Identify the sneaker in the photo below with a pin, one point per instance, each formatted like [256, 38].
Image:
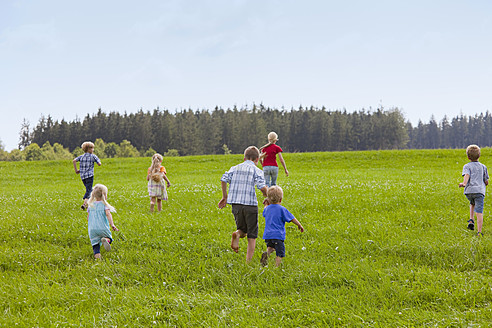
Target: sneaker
[471, 224]
[264, 259]
[479, 234]
[106, 244]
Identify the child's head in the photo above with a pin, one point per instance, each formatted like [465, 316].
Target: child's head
[99, 192]
[473, 152]
[251, 153]
[86, 146]
[157, 158]
[272, 137]
[275, 194]
[155, 168]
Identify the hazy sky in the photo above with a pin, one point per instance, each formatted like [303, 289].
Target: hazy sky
[68, 58]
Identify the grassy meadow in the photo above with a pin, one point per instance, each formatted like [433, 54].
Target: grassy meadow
[385, 245]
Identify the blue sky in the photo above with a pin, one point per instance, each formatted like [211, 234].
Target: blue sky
[67, 58]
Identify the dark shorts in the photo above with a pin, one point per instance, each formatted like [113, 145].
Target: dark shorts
[278, 245]
[246, 219]
[88, 182]
[477, 200]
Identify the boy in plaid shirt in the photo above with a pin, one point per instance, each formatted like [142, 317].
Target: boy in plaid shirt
[86, 171]
[242, 179]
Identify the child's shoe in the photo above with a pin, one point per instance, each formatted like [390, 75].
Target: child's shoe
[106, 244]
[471, 224]
[264, 258]
[479, 234]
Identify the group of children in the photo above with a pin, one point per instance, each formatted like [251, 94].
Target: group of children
[242, 180]
[99, 218]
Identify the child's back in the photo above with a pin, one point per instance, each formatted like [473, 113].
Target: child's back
[478, 176]
[475, 181]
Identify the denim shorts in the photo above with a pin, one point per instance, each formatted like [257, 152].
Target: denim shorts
[278, 245]
[477, 200]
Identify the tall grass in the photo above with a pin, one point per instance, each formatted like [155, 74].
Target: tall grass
[385, 245]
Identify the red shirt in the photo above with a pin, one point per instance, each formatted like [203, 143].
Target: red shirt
[271, 157]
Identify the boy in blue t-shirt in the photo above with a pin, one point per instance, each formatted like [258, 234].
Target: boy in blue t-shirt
[275, 218]
[475, 181]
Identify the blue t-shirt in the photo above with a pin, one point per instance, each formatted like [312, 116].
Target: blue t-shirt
[275, 218]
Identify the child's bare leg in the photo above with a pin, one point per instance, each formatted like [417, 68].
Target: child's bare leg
[479, 222]
[152, 203]
[159, 205]
[472, 211]
[251, 249]
[235, 239]
[278, 261]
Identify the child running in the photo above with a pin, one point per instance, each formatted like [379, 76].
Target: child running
[242, 179]
[99, 220]
[86, 171]
[475, 181]
[156, 174]
[268, 160]
[275, 218]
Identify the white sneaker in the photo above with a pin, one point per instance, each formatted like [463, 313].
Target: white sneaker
[106, 244]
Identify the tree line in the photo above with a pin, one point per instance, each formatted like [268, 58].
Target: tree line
[220, 131]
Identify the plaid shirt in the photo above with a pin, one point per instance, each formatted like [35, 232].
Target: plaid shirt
[87, 165]
[242, 179]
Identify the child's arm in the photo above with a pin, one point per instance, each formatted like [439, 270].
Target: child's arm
[466, 177]
[298, 224]
[223, 201]
[167, 180]
[110, 220]
[148, 176]
[264, 192]
[283, 163]
[75, 166]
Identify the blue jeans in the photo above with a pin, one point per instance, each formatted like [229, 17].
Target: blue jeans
[271, 174]
[88, 182]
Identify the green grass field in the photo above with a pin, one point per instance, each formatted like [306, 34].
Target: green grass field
[385, 245]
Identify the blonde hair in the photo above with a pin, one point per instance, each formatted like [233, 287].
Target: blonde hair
[100, 193]
[155, 168]
[275, 194]
[252, 153]
[272, 138]
[473, 152]
[86, 146]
